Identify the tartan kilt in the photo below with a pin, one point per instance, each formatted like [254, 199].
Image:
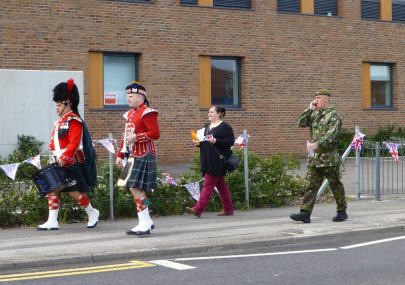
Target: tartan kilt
[143, 174]
[76, 172]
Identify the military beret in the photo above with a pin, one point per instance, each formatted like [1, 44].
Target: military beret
[322, 92]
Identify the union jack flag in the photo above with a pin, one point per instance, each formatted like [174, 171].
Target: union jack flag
[240, 142]
[357, 141]
[393, 150]
[169, 179]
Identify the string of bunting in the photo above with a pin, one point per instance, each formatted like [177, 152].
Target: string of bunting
[110, 145]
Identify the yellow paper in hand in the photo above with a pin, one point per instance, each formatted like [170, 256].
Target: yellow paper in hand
[194, 135]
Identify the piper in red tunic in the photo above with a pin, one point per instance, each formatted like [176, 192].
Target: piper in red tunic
[142, 130]
[66, 144]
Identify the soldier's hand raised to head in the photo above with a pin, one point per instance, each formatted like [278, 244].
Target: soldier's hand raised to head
[313, 105]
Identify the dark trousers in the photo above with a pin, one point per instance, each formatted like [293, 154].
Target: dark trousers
[207, 190]
[315, 177]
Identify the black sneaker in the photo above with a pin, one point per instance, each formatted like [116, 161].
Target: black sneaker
[303, 216]
[340, 216]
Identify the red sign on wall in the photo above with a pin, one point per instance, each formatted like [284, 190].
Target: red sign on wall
[110, 99]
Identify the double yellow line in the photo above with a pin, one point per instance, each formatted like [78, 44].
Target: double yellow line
[75, 271]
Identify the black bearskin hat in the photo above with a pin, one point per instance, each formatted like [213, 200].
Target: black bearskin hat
[67, 92]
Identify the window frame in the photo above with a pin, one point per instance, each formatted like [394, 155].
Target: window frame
[390, 68]
[336, 6]
[136, 70]
[238, 70]
[362, 3]
[212, 4]
[205, 66]
[366, 90]
[136, 1]
[307, 7]
[398, 4]
[96, 78]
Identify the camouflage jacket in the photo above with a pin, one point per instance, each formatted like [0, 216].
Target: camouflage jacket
[324, 126]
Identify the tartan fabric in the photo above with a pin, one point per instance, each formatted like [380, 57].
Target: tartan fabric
[76, 172]
[143, 174]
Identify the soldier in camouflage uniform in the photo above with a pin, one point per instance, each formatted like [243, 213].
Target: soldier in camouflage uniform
[324, 123]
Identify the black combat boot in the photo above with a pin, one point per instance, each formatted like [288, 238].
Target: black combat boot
[340, 216]
[303, 216]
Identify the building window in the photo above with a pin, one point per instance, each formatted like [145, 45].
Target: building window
[109, 73]
[135, 1]
[377, 85]
[398, 10]
[188, 2]
[242, 4]
[288, 6]
[370, 9]
[220, 81]
[381, 85]
[326, 7]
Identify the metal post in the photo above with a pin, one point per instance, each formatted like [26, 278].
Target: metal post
[357, 169]
[110, 157]
[246, 168]
[377, 172]
[358, 174]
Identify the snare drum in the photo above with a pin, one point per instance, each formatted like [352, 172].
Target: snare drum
[51, 178]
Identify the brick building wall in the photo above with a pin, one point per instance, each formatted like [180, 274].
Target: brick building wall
[285, 58]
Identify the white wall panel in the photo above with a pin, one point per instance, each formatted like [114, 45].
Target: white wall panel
[26, 106]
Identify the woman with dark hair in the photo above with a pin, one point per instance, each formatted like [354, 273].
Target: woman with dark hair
[219, 139]
[66, 145]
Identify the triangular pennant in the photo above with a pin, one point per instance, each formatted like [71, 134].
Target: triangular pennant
[194, 189]
[10, 169]
[107, 144]
[36, 161]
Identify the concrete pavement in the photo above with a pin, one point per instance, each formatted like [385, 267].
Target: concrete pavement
[186, 234]
[263, 229]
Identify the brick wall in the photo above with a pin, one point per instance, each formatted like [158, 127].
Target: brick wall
[286, 57]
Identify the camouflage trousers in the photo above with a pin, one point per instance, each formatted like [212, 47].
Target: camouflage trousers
[315, 176]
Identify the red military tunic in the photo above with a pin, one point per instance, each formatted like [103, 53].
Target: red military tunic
[143, 121]
[69, 129]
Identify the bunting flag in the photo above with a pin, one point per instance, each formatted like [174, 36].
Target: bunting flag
[36, 161]
[393, 150]
[10, 169]
[169, 179]
[357, 141]
[108, 144]
[194, 189]
[240, 141]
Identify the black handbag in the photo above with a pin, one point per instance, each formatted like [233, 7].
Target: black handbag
[230, 163]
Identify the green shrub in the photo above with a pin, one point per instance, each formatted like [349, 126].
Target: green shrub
[20, 204]
[387, 132]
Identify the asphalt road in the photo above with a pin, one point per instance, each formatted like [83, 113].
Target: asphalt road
[378, 260]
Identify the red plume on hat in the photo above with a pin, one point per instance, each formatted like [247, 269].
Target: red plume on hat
[70, 84]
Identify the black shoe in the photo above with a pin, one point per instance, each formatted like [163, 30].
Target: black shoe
[340, 216]
[143, 234]
[304, 217]
[138, 233]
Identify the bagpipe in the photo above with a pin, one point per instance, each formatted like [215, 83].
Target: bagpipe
[126, 171]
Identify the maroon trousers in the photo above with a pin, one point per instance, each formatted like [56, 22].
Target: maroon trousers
[207, 190]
